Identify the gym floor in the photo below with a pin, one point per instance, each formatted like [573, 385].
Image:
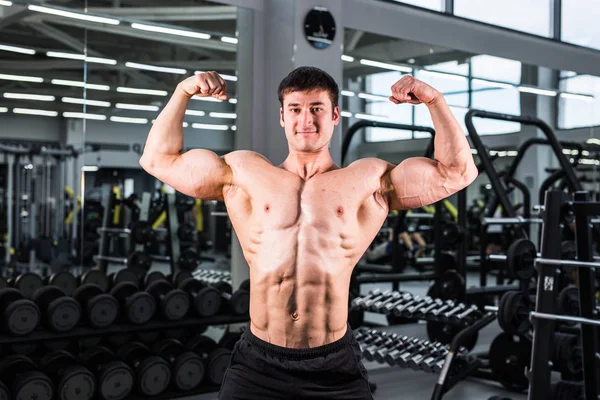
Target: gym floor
[392, 381]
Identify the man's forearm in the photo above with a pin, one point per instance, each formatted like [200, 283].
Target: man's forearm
[451, 146]
[166, 135]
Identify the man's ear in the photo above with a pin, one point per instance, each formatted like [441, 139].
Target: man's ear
[281, 117]
[336, 115]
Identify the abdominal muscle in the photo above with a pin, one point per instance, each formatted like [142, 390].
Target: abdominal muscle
[300, 283]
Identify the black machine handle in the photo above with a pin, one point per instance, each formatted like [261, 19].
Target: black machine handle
[495, 181]
[376, 124]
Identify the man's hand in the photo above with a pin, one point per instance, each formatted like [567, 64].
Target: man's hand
[413, 91]
[205, 84]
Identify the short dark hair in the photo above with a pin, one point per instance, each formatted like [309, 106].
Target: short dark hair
[306, 79]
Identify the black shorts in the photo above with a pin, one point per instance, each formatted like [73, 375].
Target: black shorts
[262, 371]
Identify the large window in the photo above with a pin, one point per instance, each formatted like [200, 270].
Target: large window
[578, 111]
[532, 16]
[436, 5]
[579, 23]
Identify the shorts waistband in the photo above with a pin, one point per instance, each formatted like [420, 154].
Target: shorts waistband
[299, 354]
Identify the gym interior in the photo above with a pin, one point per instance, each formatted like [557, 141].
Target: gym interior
[488, 294]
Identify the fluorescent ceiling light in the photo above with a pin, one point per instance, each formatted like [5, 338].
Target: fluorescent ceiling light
[97, 117]
[185, 124]
[347, 58]
[93, 86]
[494, 84]
[346, 114]
[226, 77]
[3, 109]
[82, 57]
[87, 102]
[228, 39]
[206, 99]
[593, 141]
[443, 75]
[222, 115]
[90, 168]
[473, 151]
[128, 120]
[195, 112]
[6, 3]
[233, 128]
[16, 49]
[210, 126]
[587, 161]
[233, 101]
[574, 96]
[375, 97]
[21, 78]
[512, 153]
[368, 117]
[543, 92]
[74, 15]
[125, 106]
[30, 111]
[151, 92]
[147, 67]
[27, 96]
[347, 93]
[392, 67]
[170, 31]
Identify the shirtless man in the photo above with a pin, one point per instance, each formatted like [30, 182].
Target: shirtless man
[303, 226]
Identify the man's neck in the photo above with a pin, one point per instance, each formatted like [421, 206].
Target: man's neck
[307, 165]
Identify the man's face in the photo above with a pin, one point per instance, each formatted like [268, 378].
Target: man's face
[308, 119]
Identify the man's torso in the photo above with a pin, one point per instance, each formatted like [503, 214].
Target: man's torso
[301, 240]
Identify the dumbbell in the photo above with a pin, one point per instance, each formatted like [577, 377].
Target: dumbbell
[357, 302]
[153, 276]
[236, 303]
[360, 335]
[23, 379]
[216, 359]
[124, 275]
[388, 308]
[380, 304]
[410, 311]
[179, 277]
[152, 373]
[434, 363]
[437, 315]
[64, 280]
[207, 299]
[468, 316]
[114, 378]
[380, 354]
[245, 285]
[27, 283]
[99, 309]
[369, 337]
[566, 356]
[20, 316]
[368, 303]
[415, 362]
[377, 344]
[136, 306]
[59, 312]
[449, 315]
[72, 381]
[173, 304]
[96, 277]
[411, 351]
[424, 312]
[399, 309]
[412, 343]
[187, 368]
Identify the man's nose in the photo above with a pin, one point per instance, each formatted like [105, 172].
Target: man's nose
[306, 118]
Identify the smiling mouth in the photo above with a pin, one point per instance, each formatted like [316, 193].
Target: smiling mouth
[306, 133]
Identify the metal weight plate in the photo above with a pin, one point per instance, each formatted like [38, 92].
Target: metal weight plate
[101, 309]
[218, 361]
[188, 259]
[520, 259]
[21, 316]
[510, 357]
[568, 300]
[181, 276]
[115, 381]
[126, 275]
[154, 376]
[445, 333]
[33, 385]
[142, 232]
[76, 383]
[239, 303]
[450, 286]
[153, 276]
[140, 261]
[513, 313]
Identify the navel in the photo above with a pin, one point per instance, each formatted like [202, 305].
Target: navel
[295, 316]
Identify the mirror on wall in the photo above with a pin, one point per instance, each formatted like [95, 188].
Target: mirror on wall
[92, 76]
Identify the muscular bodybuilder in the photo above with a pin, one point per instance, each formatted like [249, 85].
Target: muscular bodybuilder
[303, 225]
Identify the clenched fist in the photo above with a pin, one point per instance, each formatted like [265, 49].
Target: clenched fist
[413, 91]
[205, 84]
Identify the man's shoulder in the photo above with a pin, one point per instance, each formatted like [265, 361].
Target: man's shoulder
[371, 164]
[244, 157]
